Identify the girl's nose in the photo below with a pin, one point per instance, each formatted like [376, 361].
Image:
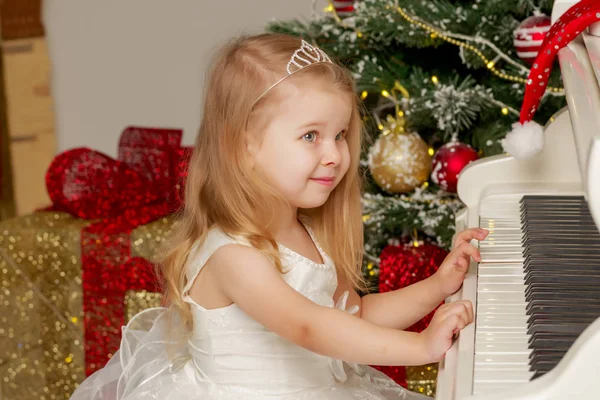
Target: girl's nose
[331, 154]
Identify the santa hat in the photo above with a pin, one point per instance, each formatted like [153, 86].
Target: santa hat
[527, 137]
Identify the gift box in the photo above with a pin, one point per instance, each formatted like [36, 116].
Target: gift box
[41, 330]
[422, 379]
[74, 273]
[401, 265]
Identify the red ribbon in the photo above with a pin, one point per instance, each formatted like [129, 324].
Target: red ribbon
[149, 171]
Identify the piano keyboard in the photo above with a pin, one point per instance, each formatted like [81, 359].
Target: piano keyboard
[538, 287]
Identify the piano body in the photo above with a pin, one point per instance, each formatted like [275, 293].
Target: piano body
[537, 290]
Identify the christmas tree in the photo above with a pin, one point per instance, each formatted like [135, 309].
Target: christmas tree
[442, 82]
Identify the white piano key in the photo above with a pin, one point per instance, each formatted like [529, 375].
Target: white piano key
[502, 348]
[501, 284]
[500, 257]
[494, 297]
[501, 359]
[492, 320]
[499, 236]
[507, 330]
[499, 309]
[481, 376]
[501, 266]
[513, 310]
[498, 335]
[503, 368]
[500, 222]
[485, 342]
[498, 239]
[501, 271]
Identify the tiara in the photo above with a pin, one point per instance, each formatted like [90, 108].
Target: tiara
[303, 57]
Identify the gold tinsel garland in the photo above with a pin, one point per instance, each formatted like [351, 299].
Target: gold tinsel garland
[436, 33]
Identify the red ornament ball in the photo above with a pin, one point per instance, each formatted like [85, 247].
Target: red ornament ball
[529, 35]
[448, 161]
[344, 8]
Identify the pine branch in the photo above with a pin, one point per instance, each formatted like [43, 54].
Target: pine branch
[429, 211]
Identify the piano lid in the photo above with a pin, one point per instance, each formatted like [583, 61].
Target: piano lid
[592, 44]
[580, 69]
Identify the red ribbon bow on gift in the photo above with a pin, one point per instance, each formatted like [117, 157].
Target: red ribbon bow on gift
[150, 170]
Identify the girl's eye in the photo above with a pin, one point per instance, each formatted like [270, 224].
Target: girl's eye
[341, 135]
[310, 136]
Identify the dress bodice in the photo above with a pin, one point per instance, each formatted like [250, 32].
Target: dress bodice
[229, 347]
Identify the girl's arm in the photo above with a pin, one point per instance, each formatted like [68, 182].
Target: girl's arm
[259, 290]
[403, 307]
[397, 309]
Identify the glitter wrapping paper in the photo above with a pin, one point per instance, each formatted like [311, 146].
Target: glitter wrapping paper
[140, 300]
[401, 266]
[73, 274]
[422, 379]
[41, 330]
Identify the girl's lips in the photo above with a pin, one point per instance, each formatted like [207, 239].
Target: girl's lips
[326, 181]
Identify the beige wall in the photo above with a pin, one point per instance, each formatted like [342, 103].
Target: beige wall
[141, 62]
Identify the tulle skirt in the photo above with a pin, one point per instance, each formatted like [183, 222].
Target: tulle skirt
[152, 364]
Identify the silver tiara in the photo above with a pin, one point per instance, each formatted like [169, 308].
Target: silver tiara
[305, 56]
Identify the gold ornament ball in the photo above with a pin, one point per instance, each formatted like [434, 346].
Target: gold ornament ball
[400, 162]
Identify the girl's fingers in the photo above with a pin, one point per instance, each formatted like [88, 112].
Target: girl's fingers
[468, 250]
[463, 309]
[469, 234]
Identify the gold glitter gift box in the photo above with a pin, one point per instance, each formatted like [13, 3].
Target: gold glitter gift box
[41, 301]
[422, 379]
[41, 335]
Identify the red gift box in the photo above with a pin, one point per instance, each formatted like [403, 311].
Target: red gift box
[144, 184]
[401, 266]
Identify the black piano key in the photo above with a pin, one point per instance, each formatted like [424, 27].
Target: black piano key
[557, 344]
[567, 327]
[562, 308]
[566, 279]
[557, 292]
[545, 335]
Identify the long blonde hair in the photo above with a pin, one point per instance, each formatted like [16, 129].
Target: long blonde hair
[221, 190]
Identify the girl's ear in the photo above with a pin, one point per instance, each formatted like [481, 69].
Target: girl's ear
[252, 146]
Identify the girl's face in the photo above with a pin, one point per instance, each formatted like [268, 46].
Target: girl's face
[303, 152]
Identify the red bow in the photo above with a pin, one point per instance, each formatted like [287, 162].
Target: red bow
[150, 170]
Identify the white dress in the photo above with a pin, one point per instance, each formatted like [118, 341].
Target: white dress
[229, 356]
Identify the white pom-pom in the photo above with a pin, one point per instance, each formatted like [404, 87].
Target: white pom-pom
[525, 140]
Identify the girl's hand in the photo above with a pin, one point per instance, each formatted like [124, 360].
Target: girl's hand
[452, 272]
[449, 319]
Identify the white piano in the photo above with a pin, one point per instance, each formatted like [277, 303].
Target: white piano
[493, 359]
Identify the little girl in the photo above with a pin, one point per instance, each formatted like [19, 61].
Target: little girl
[261, 280]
